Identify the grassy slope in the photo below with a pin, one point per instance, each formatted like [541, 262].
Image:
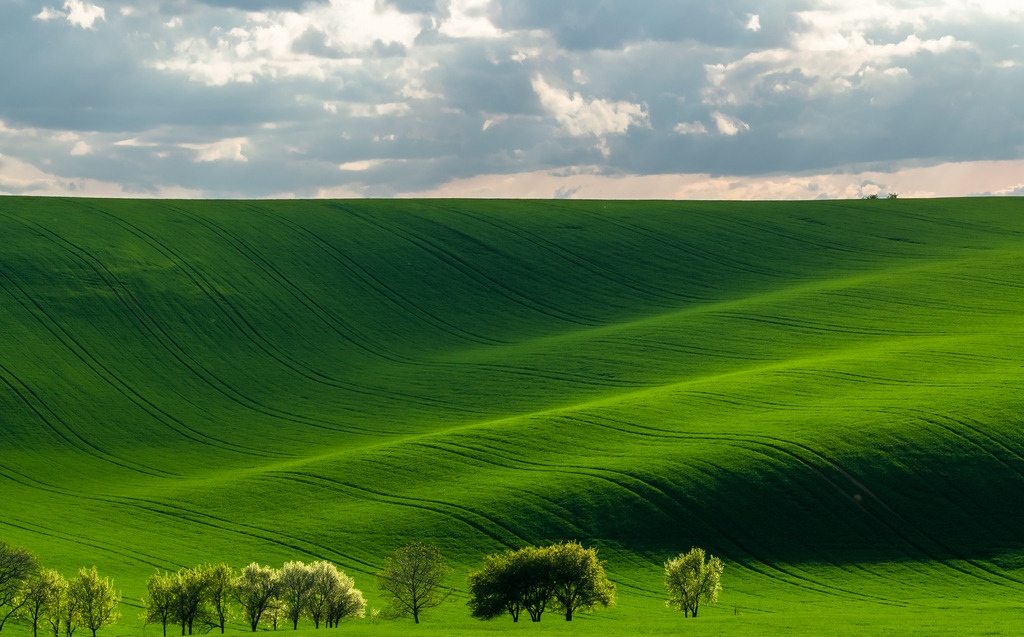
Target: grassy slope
[826, 394]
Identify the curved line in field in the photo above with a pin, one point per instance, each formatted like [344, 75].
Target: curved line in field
[568, 256]
[83, 444]
[467, 269]
[688, 250]
[36, 528]
[240, 528]
[144, 320]
[101, 371]
[435, 506]
[374, 283]
[254, 337]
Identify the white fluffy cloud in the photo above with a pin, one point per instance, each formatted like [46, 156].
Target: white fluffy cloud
[221, 150]
[729, 126]
[469, 19]
[316, 42]
[691, 128]
[819, 62]
[581, 117]
[77, 12]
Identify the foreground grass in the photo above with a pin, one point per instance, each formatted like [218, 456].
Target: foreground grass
[824, 394]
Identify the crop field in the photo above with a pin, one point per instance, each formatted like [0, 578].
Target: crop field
[827, 395]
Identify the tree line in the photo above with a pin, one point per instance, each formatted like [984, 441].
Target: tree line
[43, 598]
[566, 577]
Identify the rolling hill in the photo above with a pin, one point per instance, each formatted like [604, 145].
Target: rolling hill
[826, 394]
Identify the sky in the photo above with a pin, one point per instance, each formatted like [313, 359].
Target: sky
[667, 99]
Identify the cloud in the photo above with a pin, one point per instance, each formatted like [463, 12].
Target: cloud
[580, 117]
[691, 128]
[818, 64]
[316, 42]
[942, 180]
[222, 150]
[76, 12]
[469, 19]
[290, 97]
[80, 149]
[18, 177]
[727, 125]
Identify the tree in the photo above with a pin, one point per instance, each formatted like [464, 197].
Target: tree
[511, 582]
[347, 601]
[16, 566]
[296, 581]
[690, 579]
[40, 592]
[566, 575]
[578, 581]
[276, 611]
[188, 589]
[96, 599]
[62, 613]
[333, 596]
[159, 603]
[219, 581]
[413, 580]
[491, 594]
[256, 589]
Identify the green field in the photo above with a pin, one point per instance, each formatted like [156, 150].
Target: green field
[828, 395]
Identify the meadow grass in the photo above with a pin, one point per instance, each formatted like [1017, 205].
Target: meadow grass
[825, 394]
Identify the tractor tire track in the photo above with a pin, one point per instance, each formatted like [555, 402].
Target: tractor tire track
[466, 269]
[373, 283]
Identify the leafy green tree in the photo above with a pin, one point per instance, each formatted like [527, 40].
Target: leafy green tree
[40, 592]
[218, 591]
[188, 587]
[511, 582]
[159, 603]
[256, 590]
[568, 576]
[691, 578]
[413, 580]
[96, 599]
[17, 565]
[578, 581]
[493, 590]
[61, 614]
